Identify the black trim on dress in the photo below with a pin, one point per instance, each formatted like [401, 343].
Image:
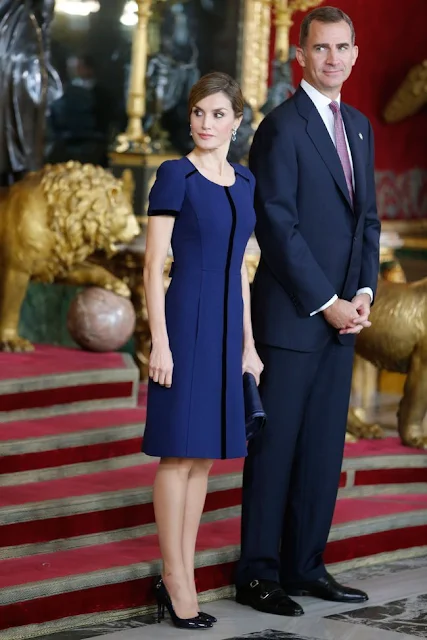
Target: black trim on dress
[225, 326]
[163, 212]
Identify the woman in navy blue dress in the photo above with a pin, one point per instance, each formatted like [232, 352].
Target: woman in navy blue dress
[201, 331]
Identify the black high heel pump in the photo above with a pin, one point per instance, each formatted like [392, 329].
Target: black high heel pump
[164, 602]
[207, 616]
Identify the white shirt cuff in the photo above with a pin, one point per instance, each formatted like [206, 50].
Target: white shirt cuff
[327, 304]
[367, 290]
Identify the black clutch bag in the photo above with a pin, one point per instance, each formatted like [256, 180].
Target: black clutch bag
[255, 416]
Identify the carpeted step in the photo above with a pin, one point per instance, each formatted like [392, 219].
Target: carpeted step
[47, 444]
[105, 504]
[118, 575]
[383, 447]
[69, 439]
[53, 380]
[378, 465]
[97, 503]
[114, 462]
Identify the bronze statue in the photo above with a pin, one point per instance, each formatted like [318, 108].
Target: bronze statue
[282, 86]
[51, 222]
[357, 427]
[397, 341]
[410, 97]
[171, 72]
[27, 83]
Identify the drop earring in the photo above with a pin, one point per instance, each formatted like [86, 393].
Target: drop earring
[234, 134]
[191, 133]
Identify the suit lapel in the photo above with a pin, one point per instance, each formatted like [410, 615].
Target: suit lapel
[322, 140]
[356, 148]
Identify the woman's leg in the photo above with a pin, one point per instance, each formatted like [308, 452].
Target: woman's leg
[196, 496]
[170, 499]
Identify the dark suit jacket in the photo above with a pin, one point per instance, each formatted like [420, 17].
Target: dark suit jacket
[313, 243]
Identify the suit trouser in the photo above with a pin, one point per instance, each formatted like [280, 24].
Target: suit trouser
[292, 471]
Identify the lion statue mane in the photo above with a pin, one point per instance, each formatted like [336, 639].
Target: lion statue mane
[51, 222]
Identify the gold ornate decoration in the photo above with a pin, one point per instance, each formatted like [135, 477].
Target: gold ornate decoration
[51, 222]
[397, 342]
[365, 380]
[357, 427]
[284, 10]
[135, 135]
[410, 97]
[255, 53]
[256, 44]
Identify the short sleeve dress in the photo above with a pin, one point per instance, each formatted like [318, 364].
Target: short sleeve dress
[202, 414]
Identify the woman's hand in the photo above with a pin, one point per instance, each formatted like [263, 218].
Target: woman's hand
[160, 366]
[252, 362]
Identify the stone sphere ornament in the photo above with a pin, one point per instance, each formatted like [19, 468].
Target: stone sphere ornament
[99, 320]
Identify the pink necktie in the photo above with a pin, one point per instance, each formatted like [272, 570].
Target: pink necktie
[342, 146]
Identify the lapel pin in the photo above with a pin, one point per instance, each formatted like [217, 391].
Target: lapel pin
[360, 136]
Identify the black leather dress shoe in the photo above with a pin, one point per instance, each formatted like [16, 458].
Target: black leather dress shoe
[268, 597]
[326, 588]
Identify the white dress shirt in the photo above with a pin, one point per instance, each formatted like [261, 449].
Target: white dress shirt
[322, 102]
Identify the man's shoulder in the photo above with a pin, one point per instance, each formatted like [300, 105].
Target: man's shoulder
[287, 107]
[281, 116]
[355, 113]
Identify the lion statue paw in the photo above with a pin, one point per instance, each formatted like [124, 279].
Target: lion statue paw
[16, 345]
[357, 427]
[118, 287]
[414, 436]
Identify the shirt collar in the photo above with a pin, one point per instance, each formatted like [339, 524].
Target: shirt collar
[320, 100]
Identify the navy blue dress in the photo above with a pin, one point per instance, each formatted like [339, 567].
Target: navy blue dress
[202, 414]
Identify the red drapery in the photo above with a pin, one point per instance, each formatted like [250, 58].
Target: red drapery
[391, 39]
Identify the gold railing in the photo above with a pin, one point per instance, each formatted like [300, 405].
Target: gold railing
[257, 15]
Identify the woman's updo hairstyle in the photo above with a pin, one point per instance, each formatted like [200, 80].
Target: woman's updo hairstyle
[217, 82]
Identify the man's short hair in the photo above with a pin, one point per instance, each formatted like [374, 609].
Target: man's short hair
[327, 15]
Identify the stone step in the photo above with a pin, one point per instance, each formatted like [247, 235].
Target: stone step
[55, 381]
[40, 592]
[34, 450]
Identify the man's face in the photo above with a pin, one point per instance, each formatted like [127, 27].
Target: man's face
[328, 56]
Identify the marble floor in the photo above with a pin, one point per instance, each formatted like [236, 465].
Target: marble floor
[397, 610]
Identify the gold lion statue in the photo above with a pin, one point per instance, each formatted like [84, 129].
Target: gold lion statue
[51, 222]
[397, 341]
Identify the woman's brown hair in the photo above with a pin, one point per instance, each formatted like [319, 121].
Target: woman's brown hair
[217, 82]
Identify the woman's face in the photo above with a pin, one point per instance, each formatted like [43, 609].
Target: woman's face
[212, 121]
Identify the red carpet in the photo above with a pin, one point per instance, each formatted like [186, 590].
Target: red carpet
[54, 377]
[115, 480]
[55, 425]
[48, 361]
[385, 447]
[76, 516]
[215, 535]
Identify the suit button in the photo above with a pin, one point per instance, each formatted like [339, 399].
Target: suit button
[355, 239]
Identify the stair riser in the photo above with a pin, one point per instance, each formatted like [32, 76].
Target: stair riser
[133, 511]
[18, 405]
[127, 440]
[71, 455]
[78, 542]
[371, 477]
[80, 524]
[136, 593]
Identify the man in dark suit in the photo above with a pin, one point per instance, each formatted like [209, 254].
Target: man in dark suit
[318, 230]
